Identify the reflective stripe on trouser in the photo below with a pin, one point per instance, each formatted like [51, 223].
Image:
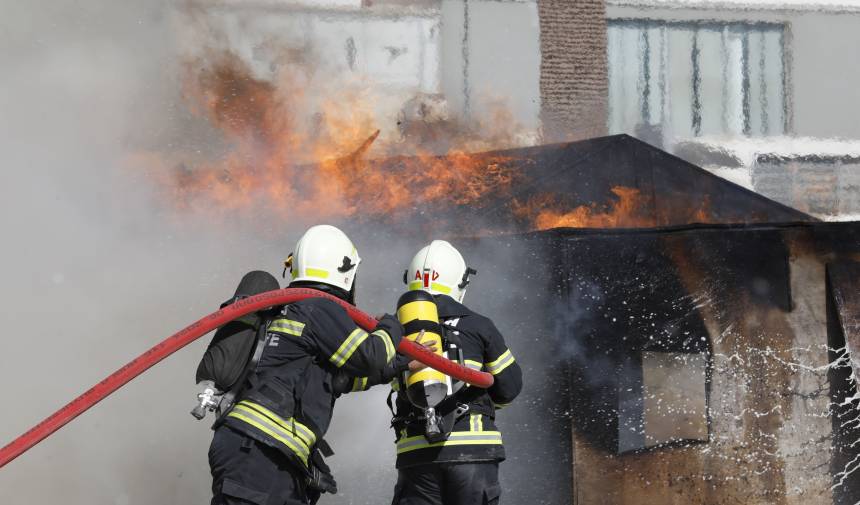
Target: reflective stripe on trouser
[292, 434]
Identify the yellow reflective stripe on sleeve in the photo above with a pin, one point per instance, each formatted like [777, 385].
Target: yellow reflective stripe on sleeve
[287, 326]
[415, 285]
[503, 361]
[395, 385]
[500, 406]
[348, 347]
[359, 384]
[389, 345]
[474, 365]
[473, 422]
[408, 444]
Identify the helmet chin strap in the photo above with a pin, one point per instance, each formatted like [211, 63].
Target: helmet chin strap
[288, 265]
[469, 271]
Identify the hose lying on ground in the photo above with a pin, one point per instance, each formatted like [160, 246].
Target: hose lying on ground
[203, 326]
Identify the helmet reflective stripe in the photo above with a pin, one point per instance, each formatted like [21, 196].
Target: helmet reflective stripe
[325, 254]
[439, 269]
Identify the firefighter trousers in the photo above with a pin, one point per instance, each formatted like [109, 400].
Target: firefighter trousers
[448, 484]
[245, 471]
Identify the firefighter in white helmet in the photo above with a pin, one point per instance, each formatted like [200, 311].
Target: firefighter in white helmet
[439, 269]
[463, 468]
[267, 448]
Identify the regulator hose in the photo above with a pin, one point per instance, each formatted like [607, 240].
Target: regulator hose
[203, 326]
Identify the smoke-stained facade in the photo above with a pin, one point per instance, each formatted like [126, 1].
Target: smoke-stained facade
[680, 365]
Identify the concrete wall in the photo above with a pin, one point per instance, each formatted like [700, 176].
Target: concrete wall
[491, 57]
[821, 51]
[483, 56]
[825, 74]
[400, 51]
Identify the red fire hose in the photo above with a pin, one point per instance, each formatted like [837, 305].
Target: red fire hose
[203, 326]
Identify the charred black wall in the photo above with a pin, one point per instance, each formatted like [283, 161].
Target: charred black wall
[842, 279]
[579, 306]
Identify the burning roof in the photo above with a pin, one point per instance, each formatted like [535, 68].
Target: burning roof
[607, 182]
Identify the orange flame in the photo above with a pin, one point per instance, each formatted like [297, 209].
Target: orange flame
[294, 146]
[307, 154]
[628, 211]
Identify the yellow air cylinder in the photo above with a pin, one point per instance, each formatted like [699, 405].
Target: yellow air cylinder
[417, 311]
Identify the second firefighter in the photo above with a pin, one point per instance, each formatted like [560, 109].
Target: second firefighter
[449, 454]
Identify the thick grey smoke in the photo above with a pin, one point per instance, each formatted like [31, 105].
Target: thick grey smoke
[97, 268]
[94, 272]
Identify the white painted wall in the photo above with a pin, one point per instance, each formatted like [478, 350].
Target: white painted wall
[822, 55]
[493, 57]
[398, 52]
[825, 79]
[405, 48]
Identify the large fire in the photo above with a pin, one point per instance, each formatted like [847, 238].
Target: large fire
[296, 146]
[312, 154]
[545, 211]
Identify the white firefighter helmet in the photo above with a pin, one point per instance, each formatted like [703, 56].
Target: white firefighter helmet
[439, 269]
[324, 254]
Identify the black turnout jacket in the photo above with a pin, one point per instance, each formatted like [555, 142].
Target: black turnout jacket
[475, 436]
[288, 400]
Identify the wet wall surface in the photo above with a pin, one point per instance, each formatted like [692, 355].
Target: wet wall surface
[843, 335]
[743, 305]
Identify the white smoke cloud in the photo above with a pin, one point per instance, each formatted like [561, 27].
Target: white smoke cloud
[97, 268]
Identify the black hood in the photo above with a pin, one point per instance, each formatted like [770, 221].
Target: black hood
[449, 307]
[253, 283]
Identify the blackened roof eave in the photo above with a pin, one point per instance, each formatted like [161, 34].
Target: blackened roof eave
[607, 141]
[586, 172]
[703, 227]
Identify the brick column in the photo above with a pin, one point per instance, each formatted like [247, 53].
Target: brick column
[573, 75]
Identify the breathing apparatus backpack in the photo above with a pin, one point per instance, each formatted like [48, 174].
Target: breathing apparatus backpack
[234, 350]
[429, 390]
